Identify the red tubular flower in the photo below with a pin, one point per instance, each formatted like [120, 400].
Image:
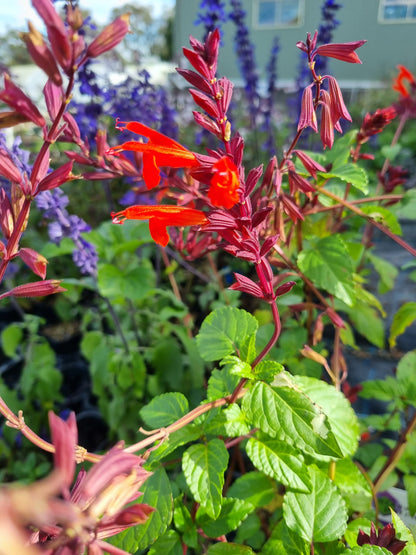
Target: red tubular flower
[35, 289]
[224, 184]
[404, 75]
[307, 114]
[158, 151]
[160, 217]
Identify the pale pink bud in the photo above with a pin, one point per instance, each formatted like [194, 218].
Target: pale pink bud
[310, 165]
[57, 178]
[57, 33]
[338, 108]
[307, 113]
[36, 262]
[41, 54]
[109, 37]
[16, 99]
[35, 289]
[327, 126]
[6, 214]
[64, 438]
[8, 168]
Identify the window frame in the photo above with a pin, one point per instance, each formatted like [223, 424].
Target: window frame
[276, 25]
[403, 20]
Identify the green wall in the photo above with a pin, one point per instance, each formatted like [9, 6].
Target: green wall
[388, 44]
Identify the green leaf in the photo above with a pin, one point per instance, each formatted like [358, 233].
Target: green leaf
[290, 416]
[266, 370]
[232, 514]
[204, 466]
[285, 542]
[185, 523]
[341, 416]
[156, 493]
[383, 216]
[383, 390]
[164, 410]
[406, 376]
[404, 534]
[11, 338]
[351, 173]
[225, 332]
[237, 367]
[221, 383]
[134, 283]
[353, 486]
[221, 548]
[405, 316]
[410, 485]
[318, 516]
[168, 544]
[280, 461]
[368, 550]
[174, 441]
[407, 209]
[387, 272]
[368, 323]
[253, 487]
[327, 263]
[391, 151]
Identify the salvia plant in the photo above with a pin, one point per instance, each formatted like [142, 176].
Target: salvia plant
[264, 453]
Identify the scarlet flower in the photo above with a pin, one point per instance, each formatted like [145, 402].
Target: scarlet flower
[224, 184]
[160, 217]
[404, 75]
[158, 151]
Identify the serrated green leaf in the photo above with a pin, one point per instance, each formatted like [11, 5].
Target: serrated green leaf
[221, 383]
[164, 410]
[353, 486]
[11, 337]
[224, 332]
[203, 467]
[403, 318]
[351, 173]
[174, 441]
[328, 265]
[156, 493]
[285, 542]
[280, 461]
[266, 370]
[185, 523]
[228, 548]
[235, 421]
[168, 544]
[237, 367]
[384, 390]
[383, 216]
[134, 284]
[232, 514]
[404, 534]
[341, 416]
[290, 415]
[368, 550]
[318, 516]
[254, 487]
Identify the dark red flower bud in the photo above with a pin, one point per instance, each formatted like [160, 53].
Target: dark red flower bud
[16, 99]
[41, 54]
[307, 112]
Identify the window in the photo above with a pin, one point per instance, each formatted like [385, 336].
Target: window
[278, 13]
[397, 11]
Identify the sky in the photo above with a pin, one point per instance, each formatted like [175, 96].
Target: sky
[15, 13]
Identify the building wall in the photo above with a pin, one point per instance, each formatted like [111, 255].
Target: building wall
[388, 44]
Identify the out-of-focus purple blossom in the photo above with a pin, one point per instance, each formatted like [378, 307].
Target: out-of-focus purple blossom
[53, 205]
[271, 71]
[211, 14]
[19, 157]
[246, 58]
[123, 101]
